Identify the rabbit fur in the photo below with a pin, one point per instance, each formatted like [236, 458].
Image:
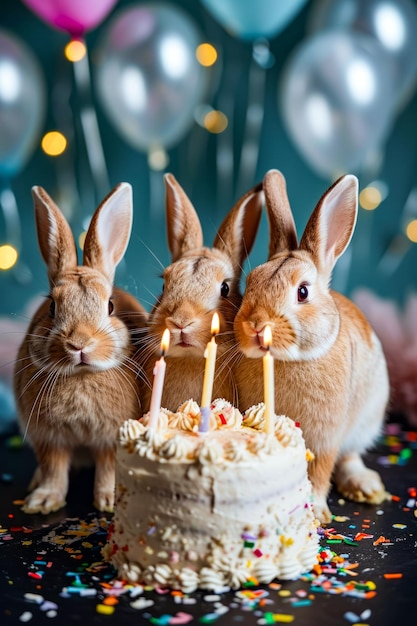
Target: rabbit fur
[75, 381]
[330, 371]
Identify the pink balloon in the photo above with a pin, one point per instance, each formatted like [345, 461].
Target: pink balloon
[74, 16]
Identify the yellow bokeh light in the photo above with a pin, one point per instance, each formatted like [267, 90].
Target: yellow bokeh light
[370, 198]
[206, 54]
[8, 257]
[54, 143]
[81, 239]
[411, 231]
[215, 122]
[75, 50]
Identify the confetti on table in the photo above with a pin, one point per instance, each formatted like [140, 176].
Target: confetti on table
[342, 570]
[103, 609]
[278, 618]
[26, 616]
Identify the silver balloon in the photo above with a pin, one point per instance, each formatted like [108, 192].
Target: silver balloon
[149, 81]
[22, 103]
[393, 23]
[336, 99]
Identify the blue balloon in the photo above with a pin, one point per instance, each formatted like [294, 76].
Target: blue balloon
[250, 19]
[22, 103]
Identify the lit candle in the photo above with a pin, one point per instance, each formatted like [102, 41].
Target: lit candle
[210, 356]
[269, 388]
[158, 382]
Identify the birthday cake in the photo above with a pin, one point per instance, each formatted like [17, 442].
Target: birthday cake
[211, 510]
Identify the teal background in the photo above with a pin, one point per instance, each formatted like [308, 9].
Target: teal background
[193, 162]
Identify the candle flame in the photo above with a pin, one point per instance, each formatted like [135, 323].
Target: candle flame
[215, 324]
[267, 336]
[165, 341]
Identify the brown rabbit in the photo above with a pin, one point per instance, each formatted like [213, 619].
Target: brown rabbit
[330, 371]
[75, 381]
[199, 281]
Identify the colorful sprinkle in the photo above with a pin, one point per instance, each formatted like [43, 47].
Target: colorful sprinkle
[103, 609]
[281, 618]
[26, 616]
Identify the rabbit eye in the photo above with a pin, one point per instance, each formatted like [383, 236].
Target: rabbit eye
[52, 308]
[111, 307]
[224, 290]
[302, 293]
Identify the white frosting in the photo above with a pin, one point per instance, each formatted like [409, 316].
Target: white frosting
[254, 416]
[265, 570]
[130, 431]
[211, 579]
[187, 417]
[212, 510]
[176, 447]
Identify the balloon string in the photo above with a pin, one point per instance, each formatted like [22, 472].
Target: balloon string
[224, 149]
[11, 217]
[90, 127]
[253, 125]
[394, 255]
[399, 245]
[63, 115]
[156, 195]
[341, 272]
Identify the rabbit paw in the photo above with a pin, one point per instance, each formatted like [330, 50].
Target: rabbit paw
[43, 501]
[321, 510]
[104, 501]
[363, 486]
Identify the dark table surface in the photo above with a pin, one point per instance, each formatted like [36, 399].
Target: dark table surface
[51, 569]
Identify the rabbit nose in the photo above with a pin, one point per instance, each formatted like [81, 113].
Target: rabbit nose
[79, 342]
[76, 345]
[177, 324]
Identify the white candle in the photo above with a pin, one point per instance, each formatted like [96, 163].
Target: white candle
[158, 382]
[210, 356]
[269, 387]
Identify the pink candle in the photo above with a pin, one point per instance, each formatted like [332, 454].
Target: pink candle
[158, 382]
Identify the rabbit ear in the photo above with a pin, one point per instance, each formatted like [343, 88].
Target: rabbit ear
[331, 225]
[56, 240]
[109, 232]
[283, 234]
[237, 232]
[183, 225]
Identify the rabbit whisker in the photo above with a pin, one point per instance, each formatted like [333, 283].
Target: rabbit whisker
[51, 378]
[152, 253]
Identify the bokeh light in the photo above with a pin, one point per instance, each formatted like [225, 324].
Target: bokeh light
[8, 257]
[81, 239]
[206, 54]
[411, 231]
[75, 50]
[370, 198]
[54, 143]
[215, 122]
[158, 159]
